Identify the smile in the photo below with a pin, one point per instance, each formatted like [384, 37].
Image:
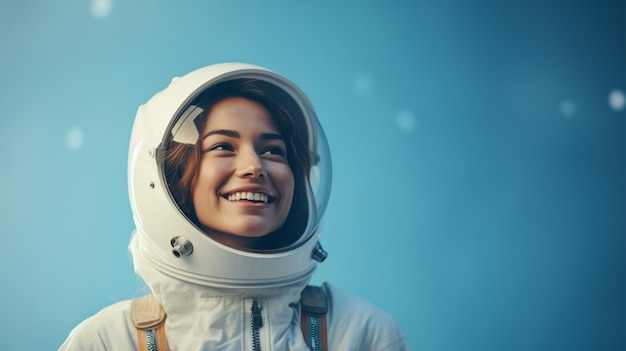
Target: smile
[257, 197]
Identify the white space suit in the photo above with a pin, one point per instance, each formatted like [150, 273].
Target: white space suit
[207, 288]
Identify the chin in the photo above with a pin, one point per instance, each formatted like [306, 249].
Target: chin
[248, 232]
[243, 229]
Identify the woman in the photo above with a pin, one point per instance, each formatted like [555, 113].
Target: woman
[229, 176]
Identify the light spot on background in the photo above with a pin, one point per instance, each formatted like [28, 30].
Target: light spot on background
[362, 84]
[617, 100]
[74, 139]
[405, 120]
[101, 8]
[567, 108]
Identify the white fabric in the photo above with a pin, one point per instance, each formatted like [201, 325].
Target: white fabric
[206, 318]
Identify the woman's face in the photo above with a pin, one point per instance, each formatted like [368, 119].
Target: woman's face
[244, 185]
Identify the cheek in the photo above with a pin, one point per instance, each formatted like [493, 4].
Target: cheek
[204, 182]
[203, 194]
[287, 183]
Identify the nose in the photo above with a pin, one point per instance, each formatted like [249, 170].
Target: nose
[250, 164]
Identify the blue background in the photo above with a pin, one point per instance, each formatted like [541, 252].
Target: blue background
[479, 156]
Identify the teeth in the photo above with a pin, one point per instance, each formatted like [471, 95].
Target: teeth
[248, 196]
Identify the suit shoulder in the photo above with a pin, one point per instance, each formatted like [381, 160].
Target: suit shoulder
[355, 320]
[108, 329]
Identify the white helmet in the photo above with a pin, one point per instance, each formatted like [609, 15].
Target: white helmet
[168, 238]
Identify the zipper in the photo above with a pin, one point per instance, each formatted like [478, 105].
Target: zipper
[151, 342]
[256, 322]
[315, 333]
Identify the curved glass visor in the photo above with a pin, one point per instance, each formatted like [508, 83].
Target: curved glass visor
[310, 160]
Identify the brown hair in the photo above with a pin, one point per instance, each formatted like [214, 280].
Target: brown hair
[182, 161]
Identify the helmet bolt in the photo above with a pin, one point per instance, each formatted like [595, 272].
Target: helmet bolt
[319, 254]
[181, 246]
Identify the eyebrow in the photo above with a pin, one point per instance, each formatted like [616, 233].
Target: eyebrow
[235, 134]
[225, 132]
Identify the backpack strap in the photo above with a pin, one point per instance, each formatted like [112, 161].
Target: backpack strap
[314, 307]
[148, 317]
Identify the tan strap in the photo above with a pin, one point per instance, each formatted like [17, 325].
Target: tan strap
[314, 305]
[158, 333]
[146, 312]
[324, 333]
[141, 340]
[305, 326]
[148, 317]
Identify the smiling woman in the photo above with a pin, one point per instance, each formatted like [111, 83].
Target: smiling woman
[250, 142]
[239, 159]
[229, 176]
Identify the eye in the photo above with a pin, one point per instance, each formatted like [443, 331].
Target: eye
[220, 147]
[274, 150]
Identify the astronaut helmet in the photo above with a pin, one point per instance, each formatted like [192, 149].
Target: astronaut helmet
[165, 157]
